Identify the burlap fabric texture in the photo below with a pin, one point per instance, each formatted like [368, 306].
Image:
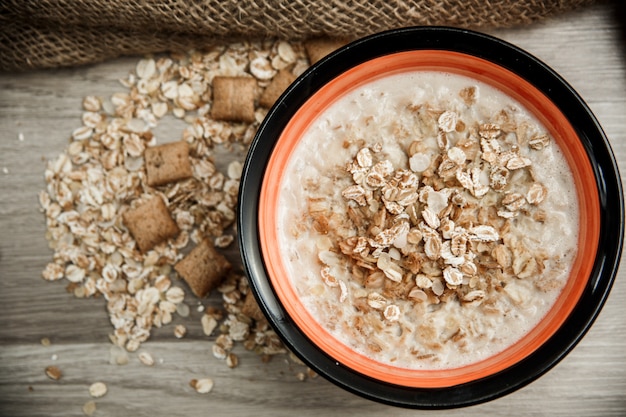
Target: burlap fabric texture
[55, 33]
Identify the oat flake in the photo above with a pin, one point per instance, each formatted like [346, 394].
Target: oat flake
[97, 389]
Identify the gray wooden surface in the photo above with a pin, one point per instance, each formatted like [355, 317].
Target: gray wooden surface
[587, 48]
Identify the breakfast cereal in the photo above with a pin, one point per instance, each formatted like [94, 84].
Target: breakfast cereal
[429, 221]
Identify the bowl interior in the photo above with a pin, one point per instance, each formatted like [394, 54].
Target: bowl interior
[511, 84]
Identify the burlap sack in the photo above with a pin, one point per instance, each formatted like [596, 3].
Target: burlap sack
[55, 33]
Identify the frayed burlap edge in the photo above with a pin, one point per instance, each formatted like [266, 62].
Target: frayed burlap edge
[58, 33]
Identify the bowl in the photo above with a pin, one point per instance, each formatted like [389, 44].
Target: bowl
[495, 64]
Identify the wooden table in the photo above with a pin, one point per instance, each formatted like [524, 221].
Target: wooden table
[39, 110]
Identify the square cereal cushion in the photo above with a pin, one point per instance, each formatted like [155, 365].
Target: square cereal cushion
[203, 268]
[251, 309]
[167, 163]
[318, 48]
[233, 99]
[150, 223]
[277, 86]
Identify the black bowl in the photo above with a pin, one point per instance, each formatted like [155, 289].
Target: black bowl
[542, 78]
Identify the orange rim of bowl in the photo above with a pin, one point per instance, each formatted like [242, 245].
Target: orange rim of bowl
[528, 96]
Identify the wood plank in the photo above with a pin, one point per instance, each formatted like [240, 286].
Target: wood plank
[45, 106]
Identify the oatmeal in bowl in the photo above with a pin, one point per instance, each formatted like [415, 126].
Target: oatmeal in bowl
[424, 217]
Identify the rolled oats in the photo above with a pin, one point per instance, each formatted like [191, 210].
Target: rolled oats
[447, 121]
[219, 352]
[180, 331]
[53, 372]
[376, 301]
[539, 142]
[209, 324]
[92, 103]
[419, 162]
[183, 310]
[89, 408]
[262, 69]
[232, 360]
[146, 358]
[392, 313]
[203, 385]
[98, 389]
[536, 194]
[453, 276]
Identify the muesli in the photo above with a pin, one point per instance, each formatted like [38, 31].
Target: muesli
[129, 211]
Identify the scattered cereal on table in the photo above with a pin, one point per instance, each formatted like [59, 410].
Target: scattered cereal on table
[115, 163]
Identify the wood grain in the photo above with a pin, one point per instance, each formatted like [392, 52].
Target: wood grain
[587, 48]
